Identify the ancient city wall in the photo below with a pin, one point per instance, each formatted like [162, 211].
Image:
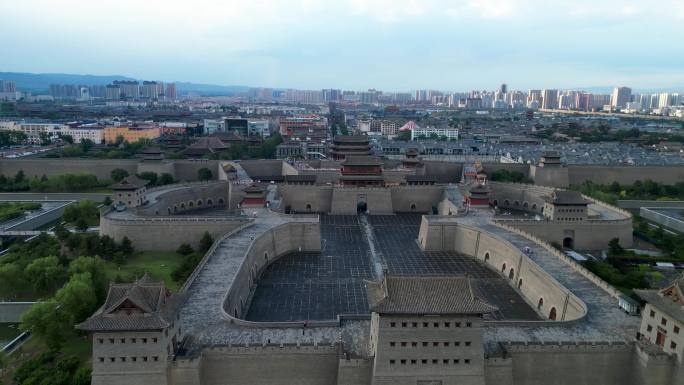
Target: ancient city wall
[344, 200]
[166, 233]
[579, 174]
[530, 280]
[567, 363]
[264, 365]
[264, 250]
[560, 255]
[186, 197]
[102, 168]
[585, 235]
[304, 199]
[519, 196]
[186, 170]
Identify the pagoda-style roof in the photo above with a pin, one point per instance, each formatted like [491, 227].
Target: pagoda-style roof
[360, 160]
[254, 189]
[411, 152]
[226, 137]
[479, 189]
[351, 139]
[142, 305]
[669, 299]
[152, 150]
[131, 182]
[205, 145]
[425, 295]
[567, 197]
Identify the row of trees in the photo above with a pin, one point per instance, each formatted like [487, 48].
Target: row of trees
[647, 190]
[43, 264]
[509, 176]
[57, 183]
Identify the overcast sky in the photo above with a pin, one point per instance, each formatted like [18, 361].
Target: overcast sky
[390, 45]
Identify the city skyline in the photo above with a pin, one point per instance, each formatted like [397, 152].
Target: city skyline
[354, 44]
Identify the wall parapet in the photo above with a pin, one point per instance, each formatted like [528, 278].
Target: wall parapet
[212, 249]
[571, 262]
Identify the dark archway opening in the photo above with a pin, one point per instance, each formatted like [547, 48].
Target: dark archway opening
[552, 314]
[511, 274]
[361, 207]
[568, 243]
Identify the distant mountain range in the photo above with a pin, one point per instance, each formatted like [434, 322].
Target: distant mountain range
[40, 83]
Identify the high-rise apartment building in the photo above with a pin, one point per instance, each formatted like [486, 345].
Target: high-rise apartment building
[149, 90]
[171, 93]
[8, 86]
[534, 98]
[129, 89]
[112, 92]
[621, 96]
[549, 99]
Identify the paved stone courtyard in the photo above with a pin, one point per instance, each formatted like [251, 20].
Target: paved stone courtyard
[321, 286]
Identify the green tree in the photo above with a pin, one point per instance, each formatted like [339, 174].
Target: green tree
[204, 174]
[118, 174]
[107, 201]
[19, 176]
[45, 273]
[95, 267]
[67, 138]
[82, 214]
[150, 176]
[165, 178]
[11, 276]
[403, 136]
[126, 246]
[77, 299]
[45, 139]
[47, 322]
[206, 242]
[614, 247]
[185, 249]
[86, 145]
[61, 232]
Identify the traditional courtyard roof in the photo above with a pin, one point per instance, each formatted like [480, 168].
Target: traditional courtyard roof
[142, 305]
[205, 145]
[130, 182]
[669, 299]
[425, 295]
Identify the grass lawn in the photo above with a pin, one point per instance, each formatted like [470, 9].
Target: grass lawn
[158, 264]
